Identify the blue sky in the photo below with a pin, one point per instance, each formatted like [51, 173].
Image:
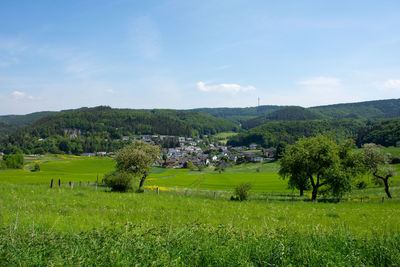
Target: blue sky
[187, 54]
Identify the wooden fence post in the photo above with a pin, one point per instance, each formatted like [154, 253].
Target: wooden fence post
[361, 200]
[80, 183]
[383, 199]
[51, 183]
[158, 190]
[215, 195]
[95, 186]
[59, 182]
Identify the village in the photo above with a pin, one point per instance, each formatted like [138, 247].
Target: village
[184, 152]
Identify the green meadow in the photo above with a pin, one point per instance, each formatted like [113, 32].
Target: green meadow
[184, 225]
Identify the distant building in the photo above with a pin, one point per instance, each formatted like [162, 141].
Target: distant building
[253, 146]
[125, 138]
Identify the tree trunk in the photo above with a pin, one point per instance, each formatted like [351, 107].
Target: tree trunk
[314, 193]
[142, 182]
[386, 183]
[301, 192]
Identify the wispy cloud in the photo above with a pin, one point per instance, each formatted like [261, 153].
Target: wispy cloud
[109, 91]
[145, 37]
[224, 88]
[391, 84]
[18, 94]
[21, 95]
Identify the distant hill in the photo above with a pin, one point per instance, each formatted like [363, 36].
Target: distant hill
[24, 120]
[238, 114]
[271, 133]
[291, 113]
[6, 129]
[97, 129]
[370, 109]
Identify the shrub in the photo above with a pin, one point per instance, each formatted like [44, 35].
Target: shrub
[362, 185]
[3, 165]
[14, 161]
[242, 191]
[119, 181]
[35, 168]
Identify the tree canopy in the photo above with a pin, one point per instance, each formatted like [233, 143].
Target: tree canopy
[319, 162]
[137, 159]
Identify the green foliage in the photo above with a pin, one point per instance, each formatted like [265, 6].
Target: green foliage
[101, 129]
[190, 165]
[272, 133]
[35, 168]
[119, 181]
[14, 161]
[137, 159]
[242, 191]
[323, 162]
[3, 165]
[293, 113]
[386, 133]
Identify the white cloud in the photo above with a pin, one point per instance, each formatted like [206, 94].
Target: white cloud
[110, 91]
[320, 81]
[391, 84]
[18, 94]
[224, 88]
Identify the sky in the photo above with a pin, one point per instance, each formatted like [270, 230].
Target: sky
[57, 55]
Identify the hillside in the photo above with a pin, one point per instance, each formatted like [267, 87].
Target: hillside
[101, 129]
[6, 129]
[386, 133]
[24, 120]
[389, 108]
[291, 113]
[271, 133]
[238, 114]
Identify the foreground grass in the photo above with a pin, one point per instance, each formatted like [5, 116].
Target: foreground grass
[59, 226]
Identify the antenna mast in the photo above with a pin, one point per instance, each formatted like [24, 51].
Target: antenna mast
[258, 101]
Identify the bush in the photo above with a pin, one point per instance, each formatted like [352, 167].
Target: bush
[362, 185]
[242, 191]
[14, 161]
[119, 181]
[35, 168]
[3, 165]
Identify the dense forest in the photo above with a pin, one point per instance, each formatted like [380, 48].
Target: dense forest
[292, 113]
[272, 133]
[386, 133]
[102, 128]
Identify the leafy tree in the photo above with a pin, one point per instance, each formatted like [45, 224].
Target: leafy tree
[190, 165]
[201, 167]
[14, 161]
[322, 162]
[377, 163]
[280, 149]
[137, 159]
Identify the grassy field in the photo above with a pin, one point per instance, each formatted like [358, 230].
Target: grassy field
[60, 226]
[185, 225]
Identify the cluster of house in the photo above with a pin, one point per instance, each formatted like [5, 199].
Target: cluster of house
[198, 152]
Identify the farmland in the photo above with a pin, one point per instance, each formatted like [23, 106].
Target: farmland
[89, 226]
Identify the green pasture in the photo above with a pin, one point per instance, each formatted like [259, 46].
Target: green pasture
[84, 226]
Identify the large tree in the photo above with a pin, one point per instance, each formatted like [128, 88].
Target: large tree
[319, 162]
[377, 163]
[137, 159]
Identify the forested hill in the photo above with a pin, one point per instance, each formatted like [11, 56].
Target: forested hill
[96, 129]
[291, 113]
[362, 110]
[24, 120]
[272, 133]
[238, 114]
[370, 109]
